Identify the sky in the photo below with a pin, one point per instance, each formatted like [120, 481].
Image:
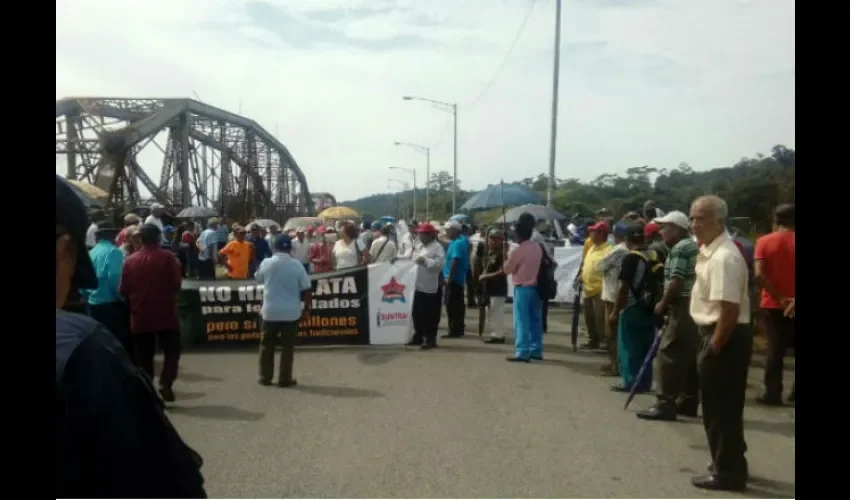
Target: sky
[642, 82]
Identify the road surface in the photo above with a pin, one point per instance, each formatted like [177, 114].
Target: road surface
[456, 422]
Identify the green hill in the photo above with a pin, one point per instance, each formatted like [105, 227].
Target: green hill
[752, 187]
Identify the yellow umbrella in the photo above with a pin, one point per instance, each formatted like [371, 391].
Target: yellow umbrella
[338, 213]
[91, 190]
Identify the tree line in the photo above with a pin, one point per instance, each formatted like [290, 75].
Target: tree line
[752, 187]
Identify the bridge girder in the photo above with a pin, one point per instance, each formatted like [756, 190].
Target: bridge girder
[102, 139]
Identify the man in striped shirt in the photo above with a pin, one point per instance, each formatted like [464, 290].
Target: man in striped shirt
[677, 354]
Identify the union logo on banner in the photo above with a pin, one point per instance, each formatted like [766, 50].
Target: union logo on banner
[393, 292]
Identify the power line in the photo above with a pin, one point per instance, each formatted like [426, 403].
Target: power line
[507, 55]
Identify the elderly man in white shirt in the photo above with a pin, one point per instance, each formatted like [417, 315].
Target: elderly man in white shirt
[383, 248]
[155, 218]
[301, 248]
[427, 298]
[720, 307]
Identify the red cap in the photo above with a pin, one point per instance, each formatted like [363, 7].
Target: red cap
[651, 229]
[426, 227]
[600, 226]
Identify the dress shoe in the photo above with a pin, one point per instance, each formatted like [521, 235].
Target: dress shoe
[715, 483]
[287, 383]
[537, 357]
[495, 340]
[619, 388]
[167, 394]
[688, 408]
[427, 347]
[263, 381]
[516, 359]
[607, 371]
[766, 400]
[657, 412]
[590, 345]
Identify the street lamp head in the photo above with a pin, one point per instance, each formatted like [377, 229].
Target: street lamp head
[407, 98]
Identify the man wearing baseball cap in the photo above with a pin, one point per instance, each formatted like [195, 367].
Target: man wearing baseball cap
[590, 277]
[285, 286]
[454, 274]
[113, 439]
[430, 257]
[678, 381]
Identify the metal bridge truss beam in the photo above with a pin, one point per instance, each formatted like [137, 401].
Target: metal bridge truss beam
[102, 140]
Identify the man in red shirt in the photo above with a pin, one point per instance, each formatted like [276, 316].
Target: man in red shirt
[150, 284]
[775, 273]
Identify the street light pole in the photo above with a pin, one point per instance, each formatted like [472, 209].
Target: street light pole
[410, 171]
[454, 155]
[427, 151]
[452, 108]
[550, 185]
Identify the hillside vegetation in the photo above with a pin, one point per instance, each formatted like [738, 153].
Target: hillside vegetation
[752, 187]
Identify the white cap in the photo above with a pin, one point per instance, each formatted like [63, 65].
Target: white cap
[452, 224]
[674, 217]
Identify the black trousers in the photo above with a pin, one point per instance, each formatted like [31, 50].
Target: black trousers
[115, 317]
[455, 309]
[426, 317]
[723, 385]
[144, 345]
[780, 336]
[206, 269]
[544, 315]
[274, 333]
[471, 289]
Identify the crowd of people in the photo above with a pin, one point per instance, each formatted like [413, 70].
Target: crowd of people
[670, 274]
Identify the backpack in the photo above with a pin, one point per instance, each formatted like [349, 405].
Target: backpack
[652, 286]
[547, 287]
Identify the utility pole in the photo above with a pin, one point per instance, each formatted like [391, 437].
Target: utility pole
[550, 185]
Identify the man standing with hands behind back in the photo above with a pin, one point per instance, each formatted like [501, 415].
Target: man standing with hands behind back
[720, 306]
[285, 285]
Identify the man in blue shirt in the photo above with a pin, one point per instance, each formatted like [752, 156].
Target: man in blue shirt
[262, 250]
[285, 285]
[105, 302]
[454, 275]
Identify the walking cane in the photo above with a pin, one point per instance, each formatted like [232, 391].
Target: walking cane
[647, 362]
[576, 313]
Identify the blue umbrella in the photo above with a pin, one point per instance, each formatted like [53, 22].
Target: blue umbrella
[387, 218]
[459, 217]
[501, 195]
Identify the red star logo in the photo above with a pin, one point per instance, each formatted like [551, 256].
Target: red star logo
[393, 291]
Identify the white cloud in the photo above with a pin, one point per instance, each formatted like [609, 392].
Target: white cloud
[655, 82]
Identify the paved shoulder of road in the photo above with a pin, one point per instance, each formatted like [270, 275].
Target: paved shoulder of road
[455, 422]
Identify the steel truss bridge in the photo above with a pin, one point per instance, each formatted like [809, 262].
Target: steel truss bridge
[208, 157]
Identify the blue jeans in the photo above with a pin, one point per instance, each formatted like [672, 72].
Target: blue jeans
[528, 329]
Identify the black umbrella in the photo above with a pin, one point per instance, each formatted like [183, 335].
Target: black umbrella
[539, 212]
[197, 213]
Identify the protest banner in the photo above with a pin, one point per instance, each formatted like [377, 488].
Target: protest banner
[356, 306]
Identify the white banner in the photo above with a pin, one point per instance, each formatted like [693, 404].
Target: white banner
[569, 261]
[391, 288]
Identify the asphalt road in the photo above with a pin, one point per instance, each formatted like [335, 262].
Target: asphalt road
[456, 422]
